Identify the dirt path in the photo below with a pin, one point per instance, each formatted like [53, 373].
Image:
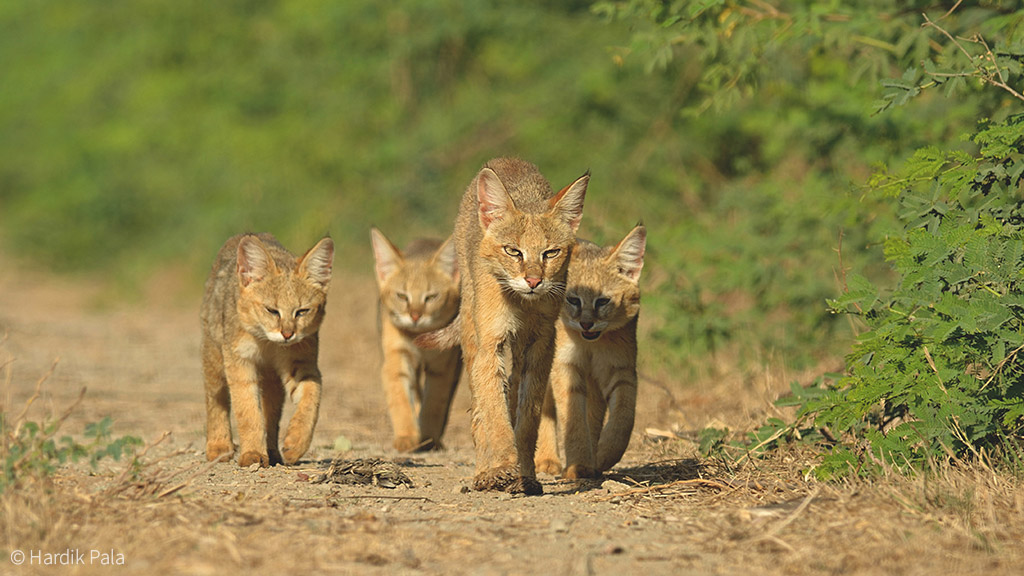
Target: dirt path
[661, 511]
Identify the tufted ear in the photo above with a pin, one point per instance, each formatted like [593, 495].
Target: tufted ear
[568, 203]
[254, 262]
[447, 259]
[317, 264]
[629, 253]
[387, 258]
[492, 199]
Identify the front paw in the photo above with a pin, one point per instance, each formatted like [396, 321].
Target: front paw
[549, 466]
[291, 454]
[249, 458]
[406, 443]
[579, 471]
[506, 479]
[219, 451]
[496, 479]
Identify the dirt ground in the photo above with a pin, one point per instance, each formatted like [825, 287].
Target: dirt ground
[663, 510]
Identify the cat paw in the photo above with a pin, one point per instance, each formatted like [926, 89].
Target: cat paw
[429, 445]
[548, 466]
[579, 471]
[497, 479]
[274, 457]
[290, 455]
[406, 443]
[249, 458]
[506, 480]
[525, 485]
[219, 450]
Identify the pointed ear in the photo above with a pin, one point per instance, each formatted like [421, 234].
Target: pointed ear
[254, 262]
[317, 264]
[447, 259]
[492, 198]
[628, 255]
[386, 256]
[568, 203]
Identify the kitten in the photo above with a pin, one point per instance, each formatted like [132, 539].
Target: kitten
[594, 369]
[260, 316]
[419, 292]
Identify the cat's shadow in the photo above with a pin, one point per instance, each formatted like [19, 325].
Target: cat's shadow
[637, 476]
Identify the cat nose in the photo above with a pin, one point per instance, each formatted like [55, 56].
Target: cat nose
[586, 325]
[532, 282]
[287, 334]
[415, 316]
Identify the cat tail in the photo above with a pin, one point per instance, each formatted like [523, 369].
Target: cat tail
[443, 338]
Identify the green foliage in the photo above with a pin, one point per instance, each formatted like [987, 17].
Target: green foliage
[937, 372]
[32, 449]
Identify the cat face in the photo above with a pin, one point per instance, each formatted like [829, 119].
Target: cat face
[603, 292]
[420, 289]
[284, 306]
[528, 253]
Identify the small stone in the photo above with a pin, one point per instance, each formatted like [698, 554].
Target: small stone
[460, 489]
[613, 486]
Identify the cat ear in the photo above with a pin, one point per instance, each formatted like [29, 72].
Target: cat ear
[568, 203]
[491, 197]
[628, 255]
[447, 259]
[316, 265]
[387, 258]
[254, 262]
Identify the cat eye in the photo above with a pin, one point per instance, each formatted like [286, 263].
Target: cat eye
[513, 252]
[601, 302]
[548, 254]
[301, 312]
[573, 301]
[429, 297]
[403, 296]
[273, 312]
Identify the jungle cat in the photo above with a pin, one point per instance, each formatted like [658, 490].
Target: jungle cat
[594, 370]
[260, 316]
[514, 237]
[419, 292]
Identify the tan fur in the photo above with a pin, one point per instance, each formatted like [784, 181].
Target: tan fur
[594, 370]
[419, 292]
[260, 316]
[514, 238]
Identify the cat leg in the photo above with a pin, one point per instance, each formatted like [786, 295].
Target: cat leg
[536, 372]
[440, 378]
[398, 377]
[580, 454]
[218, 404]
[273, 403]
[491, 423]
[304, 387]
[547, 459]
[244, 388]
[619, 427]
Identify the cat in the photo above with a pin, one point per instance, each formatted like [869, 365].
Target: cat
[514, 238]
[260, 317]
[594, 369]
[419, 292]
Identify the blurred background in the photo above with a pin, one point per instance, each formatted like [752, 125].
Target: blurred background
[135, 137]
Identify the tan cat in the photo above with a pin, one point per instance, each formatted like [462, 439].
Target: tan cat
[419, 292]
[260, 316]
[514, 238]
[594, 370]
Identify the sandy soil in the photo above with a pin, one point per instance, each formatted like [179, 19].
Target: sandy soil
[663, 510]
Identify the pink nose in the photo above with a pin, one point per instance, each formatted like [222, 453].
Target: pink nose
[415, 316]
[532, 282]
[287, 334]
